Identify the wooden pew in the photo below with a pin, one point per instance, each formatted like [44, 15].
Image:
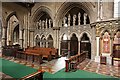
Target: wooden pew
[34, 54]
[76, 59]
[45, 52]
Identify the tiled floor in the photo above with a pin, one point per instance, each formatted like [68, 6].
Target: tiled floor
[88, 65]
[92, 66]
[4, 76]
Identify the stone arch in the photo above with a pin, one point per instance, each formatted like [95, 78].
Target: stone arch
[37, 35]
[66, 6]
[63, 35]
[40, 9]
[40, 12]
[88, 34]
[15, 34]
[42, 36]
[11, 15]
[50, 41]
[103, 31]
[63, 44]
[73, 44]
[72, 35]
[49, 35]
[37, 42]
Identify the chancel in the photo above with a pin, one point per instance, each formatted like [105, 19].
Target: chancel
[56, 40]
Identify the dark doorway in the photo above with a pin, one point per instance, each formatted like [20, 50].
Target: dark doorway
[16, 34]
[73, 45]
[37, 41]
[50, 42]
[85, 45]
[64, 45]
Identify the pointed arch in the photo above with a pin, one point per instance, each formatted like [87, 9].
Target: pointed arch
[88, 34]
[72, 35]
[103, 31]
[49, 35]
[85, 44]
[37, 35]
[66, 6]
[39, 10]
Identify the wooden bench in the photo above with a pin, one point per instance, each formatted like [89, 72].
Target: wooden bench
[36, 54]
[74, 61]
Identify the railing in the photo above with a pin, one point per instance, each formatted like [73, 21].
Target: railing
[35, 76]
[77, 59]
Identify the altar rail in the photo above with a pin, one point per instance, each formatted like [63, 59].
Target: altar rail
[77, 59]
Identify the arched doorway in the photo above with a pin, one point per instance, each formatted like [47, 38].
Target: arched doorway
[12, 29]
[37, 41]
[16, 35]
[50, 42]
[73, 45]
[85, 45]
[64, 44]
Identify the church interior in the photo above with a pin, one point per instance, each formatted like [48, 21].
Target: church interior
[60, 40]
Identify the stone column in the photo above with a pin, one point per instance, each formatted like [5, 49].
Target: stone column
[39, 24]
[101, 10]
[46, 24]
[59, 47]
[49, 23]
[78, 47]
[21, 38]
[79, 15]
[97, 58]
[93, 44]
[74, 20]
[40, 43]
[31, 38]
[28, 29]
[85, 17]
[47, 44]
[98, 18]
[111, 45]
[97, 40]
[25, 38]
[43, 24]
[4, 33]
[69, 48]
[69, 20]
[57, 31]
